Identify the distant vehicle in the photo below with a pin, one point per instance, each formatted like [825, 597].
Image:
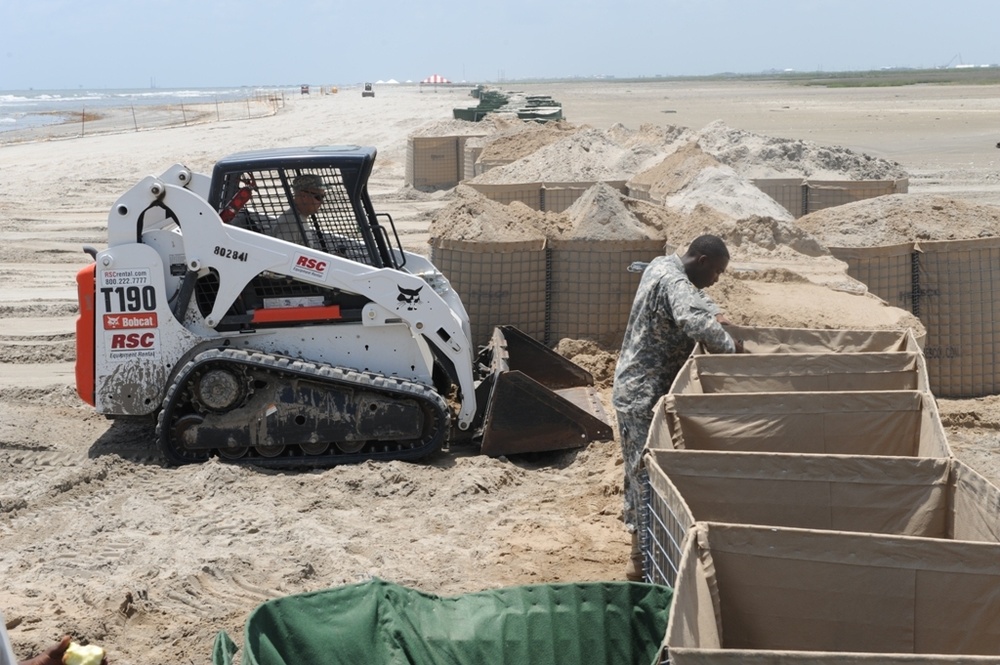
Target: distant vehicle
[304, 89]
[368, 92]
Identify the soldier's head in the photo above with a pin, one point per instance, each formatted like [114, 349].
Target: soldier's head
[308, 191]
[705, 260]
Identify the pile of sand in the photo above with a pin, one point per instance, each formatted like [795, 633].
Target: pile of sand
[689, 177]
[664, 220]
[721, 188]
[586, 155]
[752, 238]
[901, 218]
[676, 171]
[520, 140]
[601, 214]
[782, 300]
[474, 218]
[591, 356]
[756, 156]
[491, 124]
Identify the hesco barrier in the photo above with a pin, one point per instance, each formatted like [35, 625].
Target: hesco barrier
[789, 192]
[823, 340]
[801, 372]
[767, 595]
[549, 289]
[895, 423]
[530, 193]
[544, 196]
[499, 283]
[803, 196]
[472, 153]
[805, 504]
[922, 497]
[952, 287]
[435, 162]
[590, 290]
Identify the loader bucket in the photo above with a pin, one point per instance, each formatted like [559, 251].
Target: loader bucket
[534, 399]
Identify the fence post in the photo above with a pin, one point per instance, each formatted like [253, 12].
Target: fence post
[248, 109]
[83, 121]
[135, 123]
[184, 115]
[218, 116]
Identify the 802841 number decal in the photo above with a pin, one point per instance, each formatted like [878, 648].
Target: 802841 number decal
[230, 254]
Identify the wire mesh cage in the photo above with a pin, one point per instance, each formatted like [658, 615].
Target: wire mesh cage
[309, 207]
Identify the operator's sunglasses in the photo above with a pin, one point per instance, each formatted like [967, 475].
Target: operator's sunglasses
[319, 196]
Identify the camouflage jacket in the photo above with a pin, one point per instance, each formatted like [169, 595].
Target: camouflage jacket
[669, 315]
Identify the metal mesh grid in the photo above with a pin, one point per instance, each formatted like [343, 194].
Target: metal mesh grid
[272, 210]
[664, 535]
[959, 310]
[530, 194]
[887, 275]
[591, 291]
[951, 287]
[639, 192]
[790, 193]
[433, 162]
[821, 194]
[470, 155]
[497, 287]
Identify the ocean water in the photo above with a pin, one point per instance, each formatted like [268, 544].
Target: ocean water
[24, 109]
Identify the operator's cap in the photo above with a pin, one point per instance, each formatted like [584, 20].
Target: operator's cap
[308, 181]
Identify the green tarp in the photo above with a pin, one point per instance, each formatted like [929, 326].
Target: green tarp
[377, 622]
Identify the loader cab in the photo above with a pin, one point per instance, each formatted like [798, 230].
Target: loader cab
[316, 197]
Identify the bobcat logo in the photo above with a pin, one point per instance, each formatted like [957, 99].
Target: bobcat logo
[409, 297]
[112, 321]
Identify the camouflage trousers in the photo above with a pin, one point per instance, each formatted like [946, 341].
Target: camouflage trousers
[633, 430]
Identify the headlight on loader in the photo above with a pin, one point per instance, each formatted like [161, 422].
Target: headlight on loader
[437, 280]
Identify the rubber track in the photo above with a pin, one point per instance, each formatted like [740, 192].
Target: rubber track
[277, 366]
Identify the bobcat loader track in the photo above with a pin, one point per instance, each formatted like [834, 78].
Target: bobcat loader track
[276, 411]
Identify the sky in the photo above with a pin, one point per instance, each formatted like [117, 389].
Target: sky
[63, 44]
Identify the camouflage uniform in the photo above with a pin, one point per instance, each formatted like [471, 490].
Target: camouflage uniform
[669, 315]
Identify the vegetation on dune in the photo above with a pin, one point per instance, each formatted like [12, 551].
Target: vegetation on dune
[859, 79]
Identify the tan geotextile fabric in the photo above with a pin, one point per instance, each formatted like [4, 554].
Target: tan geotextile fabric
[975, 503]
[887, 271]
[530, 194]
[959, 283]
[821, 194]
[432, 162]
[753, 373]
[908, 497]
[748, 588]
[811, 340]
[765, 657]
[501, 283]
[902, 423]
[590, 290]
[920, 497]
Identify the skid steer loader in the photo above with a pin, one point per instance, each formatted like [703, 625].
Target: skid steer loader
[259, 329]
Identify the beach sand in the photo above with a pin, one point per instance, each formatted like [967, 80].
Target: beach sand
[99, 540]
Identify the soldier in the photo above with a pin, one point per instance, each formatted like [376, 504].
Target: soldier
[308, 192]
[670, 314]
